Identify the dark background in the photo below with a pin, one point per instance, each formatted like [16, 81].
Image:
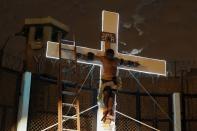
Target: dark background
[169, 27]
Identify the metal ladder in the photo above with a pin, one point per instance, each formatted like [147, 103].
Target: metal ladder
[75, 105]
[72, 106]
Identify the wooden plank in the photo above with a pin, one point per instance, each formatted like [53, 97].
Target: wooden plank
[67, 51]
[78, 115]
[59, 85]
[110, 23]
[147, 65]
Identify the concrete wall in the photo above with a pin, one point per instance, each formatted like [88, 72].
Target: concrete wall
[9, 86]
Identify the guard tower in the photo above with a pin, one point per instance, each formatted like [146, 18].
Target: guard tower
[38, 32]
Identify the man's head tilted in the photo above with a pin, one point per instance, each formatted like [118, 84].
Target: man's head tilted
[109, 53]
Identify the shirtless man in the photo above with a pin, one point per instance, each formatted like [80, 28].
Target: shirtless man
[108, 78]
[109, 82]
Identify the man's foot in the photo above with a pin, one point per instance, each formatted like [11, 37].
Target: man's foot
[110, 117]
[104, 115]
[107, 116]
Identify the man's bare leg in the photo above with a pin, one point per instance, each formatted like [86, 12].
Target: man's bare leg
[105, 100]
[110, 106]
[110, 109]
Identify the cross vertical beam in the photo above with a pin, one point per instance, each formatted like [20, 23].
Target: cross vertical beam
[110, 23]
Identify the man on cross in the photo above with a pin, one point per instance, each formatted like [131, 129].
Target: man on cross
[110, 26]
[110, 81]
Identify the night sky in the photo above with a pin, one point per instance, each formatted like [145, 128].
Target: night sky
[165, 29]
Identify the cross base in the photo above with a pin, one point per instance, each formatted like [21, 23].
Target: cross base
[104, 126]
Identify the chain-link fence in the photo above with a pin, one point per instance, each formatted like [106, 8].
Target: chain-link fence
[189, 115]
[43, 111]
[42, 120]
[48, 122]
[43, 106]
[126, 123]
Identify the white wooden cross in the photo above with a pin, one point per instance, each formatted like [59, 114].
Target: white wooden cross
[110, 23]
